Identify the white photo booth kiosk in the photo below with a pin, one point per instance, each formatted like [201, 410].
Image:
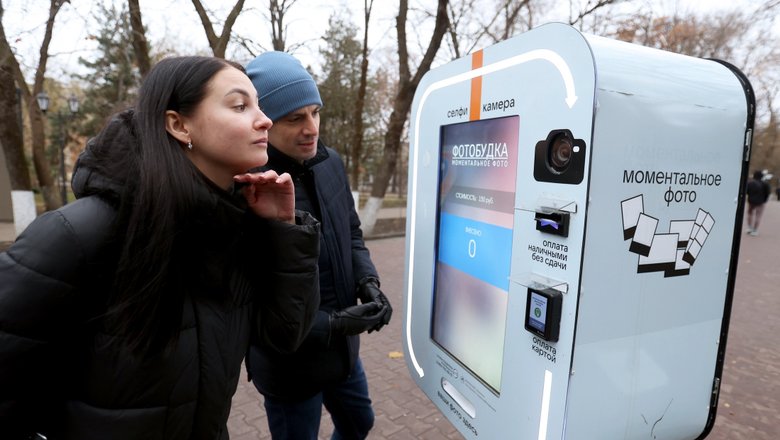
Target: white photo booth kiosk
[574, 216]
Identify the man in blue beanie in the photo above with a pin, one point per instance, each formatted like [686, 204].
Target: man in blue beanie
[326, 369]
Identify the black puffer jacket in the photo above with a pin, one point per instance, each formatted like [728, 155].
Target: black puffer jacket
[64, 374]
[324, 359]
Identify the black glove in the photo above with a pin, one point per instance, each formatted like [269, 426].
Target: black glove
[354, 320]
[369, 292]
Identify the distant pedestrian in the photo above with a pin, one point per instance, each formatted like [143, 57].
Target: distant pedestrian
[127, 314]
[326, 370]
[758, 192]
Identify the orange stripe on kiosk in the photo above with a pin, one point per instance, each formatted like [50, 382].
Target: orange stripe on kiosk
[476, 87]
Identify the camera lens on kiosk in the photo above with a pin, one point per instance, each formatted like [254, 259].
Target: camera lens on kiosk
[560, 152]
[559, 158]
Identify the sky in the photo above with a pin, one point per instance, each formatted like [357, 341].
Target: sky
[175, 20]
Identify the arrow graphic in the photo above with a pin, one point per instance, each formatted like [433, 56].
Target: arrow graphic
[538, 54]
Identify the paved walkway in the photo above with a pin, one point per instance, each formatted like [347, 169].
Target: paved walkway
[749, 404]
[7, 232]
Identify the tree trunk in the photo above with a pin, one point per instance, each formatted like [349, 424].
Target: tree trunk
[407, 86]
[357, 116]
[49, 190]
[11, 132]
[140, 44]
[42, 168]
[277, 10]
[219, 43]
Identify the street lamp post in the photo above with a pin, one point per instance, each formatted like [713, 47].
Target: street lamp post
[43, 101]
[63, 119]
[73, 106]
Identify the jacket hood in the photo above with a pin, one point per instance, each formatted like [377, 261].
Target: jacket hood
[108, 164]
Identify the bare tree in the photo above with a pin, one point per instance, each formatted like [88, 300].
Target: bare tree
[770, 5]
[41, 164]
[741, 37]
[140, 45]
[407, 86]
[219, 43]
[766, 153]
[718, 35]
[277, 14]
[590, 8]
[278, 10]
[11, 118]
[699, 37]
[509, 14]
[468, 30]
[456, 14]
[11, 129]
[357, 116]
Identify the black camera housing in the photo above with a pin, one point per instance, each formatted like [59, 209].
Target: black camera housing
[550, 168]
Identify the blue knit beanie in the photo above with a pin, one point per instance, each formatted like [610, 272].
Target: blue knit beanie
[283, 84]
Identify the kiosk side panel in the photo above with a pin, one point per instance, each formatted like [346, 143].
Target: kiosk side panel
[666, 178]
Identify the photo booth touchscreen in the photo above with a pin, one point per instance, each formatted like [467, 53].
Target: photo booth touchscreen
[477, 176]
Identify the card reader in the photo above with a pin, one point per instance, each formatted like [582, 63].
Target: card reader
[543, 313]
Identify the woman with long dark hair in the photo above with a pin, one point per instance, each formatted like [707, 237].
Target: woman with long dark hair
[127, 313]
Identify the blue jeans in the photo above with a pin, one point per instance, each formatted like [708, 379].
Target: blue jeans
[348, 404]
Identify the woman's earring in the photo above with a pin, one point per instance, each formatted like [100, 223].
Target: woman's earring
[189, 144]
